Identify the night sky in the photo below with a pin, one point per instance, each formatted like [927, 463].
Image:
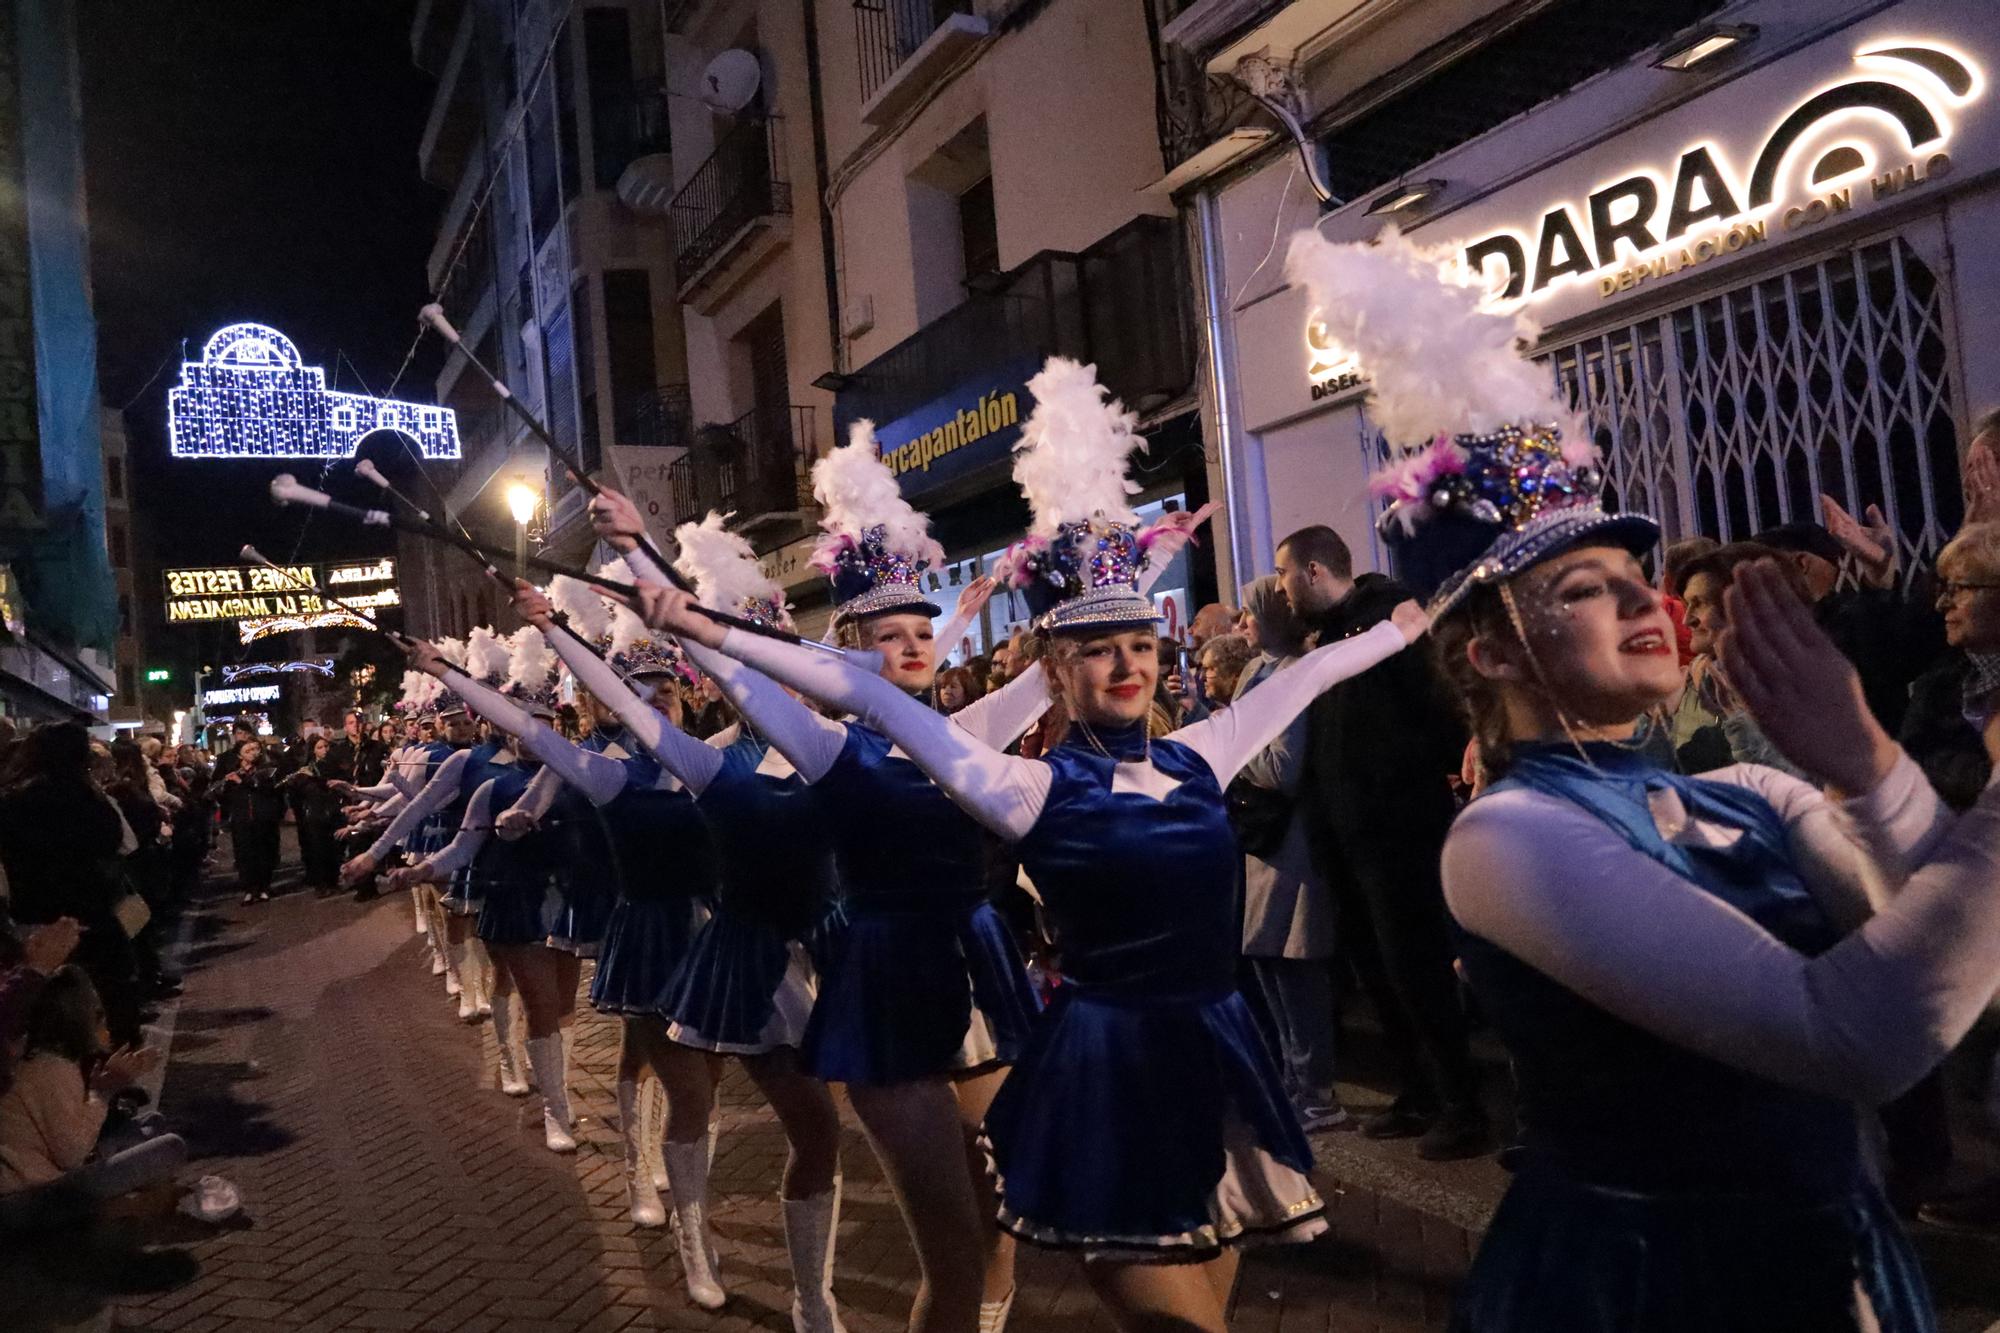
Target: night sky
[250, 160]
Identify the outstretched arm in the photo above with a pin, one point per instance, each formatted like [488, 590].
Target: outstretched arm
[597, 776]
[435, 796]
[1232, 738]
[694, 763]
[812, 743]
[473, 831]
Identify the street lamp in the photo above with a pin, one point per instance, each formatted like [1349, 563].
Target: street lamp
[521, 502]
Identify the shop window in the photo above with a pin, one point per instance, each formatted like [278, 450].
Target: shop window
[1735, 413]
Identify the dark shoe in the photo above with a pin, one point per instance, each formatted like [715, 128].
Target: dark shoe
[1400, 1121]
[1975, 1209]
[367, 893]
[1458, 1133]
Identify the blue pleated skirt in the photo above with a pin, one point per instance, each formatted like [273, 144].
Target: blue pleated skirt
[907, 994]
[1149, 1128]
[729, 994]
[1569, 1257]
[645, 946]
[588, 900]
[515, 910]
[461, 897]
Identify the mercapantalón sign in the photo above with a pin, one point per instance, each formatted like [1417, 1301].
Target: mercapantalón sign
[956, 434]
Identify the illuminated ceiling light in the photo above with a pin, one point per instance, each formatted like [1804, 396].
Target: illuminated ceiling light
[1704, 44]
[1405, 196]
[522, 501]
[251, 396]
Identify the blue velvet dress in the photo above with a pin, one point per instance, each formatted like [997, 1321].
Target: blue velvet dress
[461, 896]
[586, 869]
[918, 949]
[515, 882]
[665, 869]
[1147, 1082]
[1659, 1191]
[775, 849]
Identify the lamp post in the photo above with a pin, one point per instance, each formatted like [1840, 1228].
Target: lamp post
[522, 500]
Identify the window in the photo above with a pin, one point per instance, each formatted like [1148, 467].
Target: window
[565, 82]
[116, 542]
[607, 59]
[628, 341]
[114, 478]
[979, 230]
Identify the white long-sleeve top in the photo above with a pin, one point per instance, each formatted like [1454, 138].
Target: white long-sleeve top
[1006, 793]
[436, 793]
[692, 762]
[599, 777]
[1549, 883]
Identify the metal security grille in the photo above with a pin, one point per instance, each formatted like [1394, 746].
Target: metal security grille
[1733, 414]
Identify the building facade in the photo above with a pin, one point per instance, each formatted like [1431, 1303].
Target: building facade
[122, 546]
[57, 602]
[566, 293]
[1756, 238]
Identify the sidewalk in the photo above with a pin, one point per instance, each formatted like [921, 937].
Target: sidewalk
[387, 1183]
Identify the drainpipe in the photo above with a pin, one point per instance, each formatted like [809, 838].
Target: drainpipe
[1216, 328]
[820, 177]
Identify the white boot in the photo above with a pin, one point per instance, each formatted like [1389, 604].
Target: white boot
[512, 1081]
[545, 1054]
[687, 1169]
[647, 1210]
[656, 1133]
[482, 964]
[417, 904]
[993, 1314]
[809, 1239]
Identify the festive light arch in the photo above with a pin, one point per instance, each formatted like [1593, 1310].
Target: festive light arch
[252, 396]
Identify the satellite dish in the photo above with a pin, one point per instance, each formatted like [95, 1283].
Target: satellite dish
[731, 80]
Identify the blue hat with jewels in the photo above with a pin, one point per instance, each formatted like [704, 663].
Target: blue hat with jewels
[875, 547]
[1496, 472]
[1078, 568]
[725, 573]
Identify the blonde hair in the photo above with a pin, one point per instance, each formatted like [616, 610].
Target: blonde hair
[1975, 550]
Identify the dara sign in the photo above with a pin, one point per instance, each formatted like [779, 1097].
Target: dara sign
[251, 397]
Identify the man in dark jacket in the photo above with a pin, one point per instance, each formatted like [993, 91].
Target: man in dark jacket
[1377, 801]
[356, 756]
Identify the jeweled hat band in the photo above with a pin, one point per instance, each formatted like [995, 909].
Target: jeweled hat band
[1101, 609]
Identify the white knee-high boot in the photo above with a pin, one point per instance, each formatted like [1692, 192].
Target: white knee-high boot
[482, 966]
[809, 1238]
[513, 1078]
[656, 1133]
[687, 1170]
[633, 1127]
[545, 1054]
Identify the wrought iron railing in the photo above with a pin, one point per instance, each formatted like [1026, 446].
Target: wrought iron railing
[743, 180]
[660, 418]
[888, 32]
[754, 465]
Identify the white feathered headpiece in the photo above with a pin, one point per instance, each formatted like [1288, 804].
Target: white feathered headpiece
[487, 656]
[876, 547]
[725, 572]
[588, 614]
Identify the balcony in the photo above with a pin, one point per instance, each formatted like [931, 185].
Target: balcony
[753, 468]
[904, 46]
[661, 418]
[639, 151]
[1123, 304]
[734, 210]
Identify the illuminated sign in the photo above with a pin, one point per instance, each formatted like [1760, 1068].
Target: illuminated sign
[1860, 140]
[240, 694]
[263, 627]
[251, 396]
[253, 592]
[231, 674]
[1331, 369]
[155, 674]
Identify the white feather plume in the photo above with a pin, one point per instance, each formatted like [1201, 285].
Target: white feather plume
[416, 687]
[721, 565]
[626, 627]
[1071, 460]
[857, 491]
[486, 655]
[531, 659]
[452, 651]
[587, 613]
[1440, 363]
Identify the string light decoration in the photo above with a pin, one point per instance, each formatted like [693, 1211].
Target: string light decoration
[262, 627]
[230, 674]
[251, 396]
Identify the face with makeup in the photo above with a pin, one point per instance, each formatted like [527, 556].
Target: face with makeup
[1108, 679]
[1602, 644]
[907, 645]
